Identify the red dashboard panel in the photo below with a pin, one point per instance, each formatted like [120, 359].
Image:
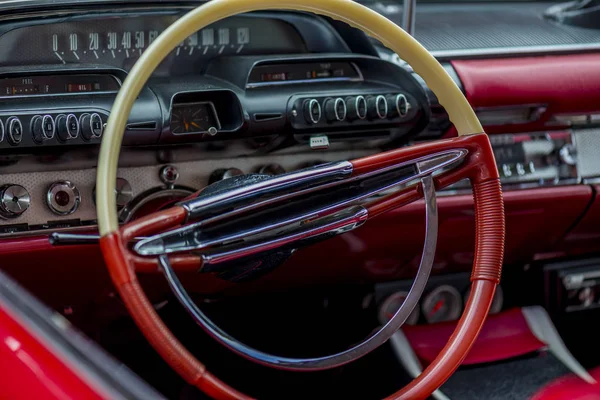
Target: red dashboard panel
[386, 248]
[389, 247]
[566, 84]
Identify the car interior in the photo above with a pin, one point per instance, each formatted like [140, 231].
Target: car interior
[304, 199]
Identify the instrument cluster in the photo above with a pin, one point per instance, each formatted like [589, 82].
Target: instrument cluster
[119, 42]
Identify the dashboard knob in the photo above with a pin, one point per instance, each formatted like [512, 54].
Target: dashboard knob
[14, 130]
[14, 200]
[399, 105]
[271, 169]
[335, 109]
[124, 192]
[168, 174]
[377, 107]
[568, 154]
[91, 126]
[63, 198]
[224, 173]
[67, 127]
[42, 128]
[312, 111]
[356, 108]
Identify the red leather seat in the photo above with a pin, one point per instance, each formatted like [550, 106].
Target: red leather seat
[571, 387]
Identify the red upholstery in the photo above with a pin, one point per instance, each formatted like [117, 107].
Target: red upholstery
[503, 336]
[571, 387]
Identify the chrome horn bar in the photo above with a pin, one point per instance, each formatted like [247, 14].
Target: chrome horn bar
[344, 357]
[324, 204]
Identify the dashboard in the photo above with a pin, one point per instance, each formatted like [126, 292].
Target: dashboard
[273, 92]
[119, 41]
[264, 92]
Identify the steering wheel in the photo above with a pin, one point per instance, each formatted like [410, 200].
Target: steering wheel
[432, 166]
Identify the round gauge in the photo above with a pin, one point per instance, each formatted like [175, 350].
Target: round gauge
[392, 304]
[443, 303]
[193, 118]
[497, 302]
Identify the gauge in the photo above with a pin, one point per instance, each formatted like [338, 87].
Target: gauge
[443, 303]
[392, 304]
[497, 303]
[120, 42]
[194, 118]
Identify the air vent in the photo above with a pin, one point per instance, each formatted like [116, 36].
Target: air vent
[142, 126]
[260, 117]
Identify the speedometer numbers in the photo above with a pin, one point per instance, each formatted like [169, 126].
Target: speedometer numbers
[98, 46]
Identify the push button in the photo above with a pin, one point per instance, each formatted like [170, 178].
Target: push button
[15, 130]
[312, 111]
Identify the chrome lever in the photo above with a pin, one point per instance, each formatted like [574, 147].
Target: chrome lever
[291, 239]
[67, 239]
[318, 200]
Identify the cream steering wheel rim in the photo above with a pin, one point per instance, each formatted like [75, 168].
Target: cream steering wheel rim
[357, 15]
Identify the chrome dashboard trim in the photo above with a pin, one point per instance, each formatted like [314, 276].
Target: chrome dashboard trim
[255, 85]
[201, 206]
[344, 170]
[514, 51]
[189, 238]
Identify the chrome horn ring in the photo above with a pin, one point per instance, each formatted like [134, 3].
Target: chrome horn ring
[341, 358]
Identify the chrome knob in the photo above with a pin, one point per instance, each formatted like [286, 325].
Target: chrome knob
[224, 173]
[399, 105]
[312, 111]
[91, 126]
[377, 107]
[568, 154]
[124, 192]
[356, 108]
[14, 200]
[63, 198]
[42, 128]
[14, 130]
[271, 169]
[67, 126]
[335, 109]
[169, 174]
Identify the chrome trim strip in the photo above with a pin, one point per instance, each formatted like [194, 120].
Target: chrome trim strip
[451, 157]
[300, 81]
[514, 51]
[254, 85]
[409, 16]
[344, 357]
[335, 224]
[159, 244]
[200, 206]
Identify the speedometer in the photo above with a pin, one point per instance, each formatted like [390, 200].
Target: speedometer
[120, 42]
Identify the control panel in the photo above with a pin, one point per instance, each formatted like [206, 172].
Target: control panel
[29, 128]
[349, 111]
[33, 203]
[573, 285]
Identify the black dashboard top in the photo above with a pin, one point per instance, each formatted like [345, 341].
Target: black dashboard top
[262, 75]
[119, 41]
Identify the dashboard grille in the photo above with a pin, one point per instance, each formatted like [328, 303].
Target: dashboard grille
[588, 148]
[444, 27]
